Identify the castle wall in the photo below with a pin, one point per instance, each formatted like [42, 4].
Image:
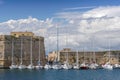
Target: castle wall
[6, 49]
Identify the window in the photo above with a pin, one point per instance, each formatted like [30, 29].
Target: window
[22, 34]
[14, 34]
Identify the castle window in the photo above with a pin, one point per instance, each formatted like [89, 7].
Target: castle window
[14, 34]
[22, 34]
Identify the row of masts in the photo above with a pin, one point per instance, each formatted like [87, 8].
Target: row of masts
[66, 65]
[84, 65]
[56, 64]
[21, 66]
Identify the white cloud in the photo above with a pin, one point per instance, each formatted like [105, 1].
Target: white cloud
[101, 22]
[96, 25]
[77, 8]
[103, 11]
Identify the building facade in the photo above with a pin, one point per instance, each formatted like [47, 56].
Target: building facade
[21, 42]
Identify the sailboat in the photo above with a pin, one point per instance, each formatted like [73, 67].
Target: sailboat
[66, 65]
[84, 65]
[21, 66]
[56, 64]
[39, 66]
[47, 65]
[30, 66]
[108, 65]
[93, 65]
[76, 66]
[13, 66]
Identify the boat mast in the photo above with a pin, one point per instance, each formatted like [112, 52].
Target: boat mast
[77, 58]
[12, 51]
[66, 46]
[39, 50]
[84, 54]
[94, 57]
[21, 49]
[31, 50]
[109, 50]
[58, 55]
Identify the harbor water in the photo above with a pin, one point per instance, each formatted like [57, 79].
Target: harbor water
[100, 74]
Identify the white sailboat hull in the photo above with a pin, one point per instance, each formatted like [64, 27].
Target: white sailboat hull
[93, 66]
[67, 66]
[56, 66]
[107, 66]
[47, 66]
[21, 67]
[13, 67]
[38, 67]
[116, 66]
[76, 67]
[30, 66]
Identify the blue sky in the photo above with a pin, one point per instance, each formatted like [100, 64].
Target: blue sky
[42, 9]
[82, 21]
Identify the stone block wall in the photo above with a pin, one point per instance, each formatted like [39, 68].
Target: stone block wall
[26, 41]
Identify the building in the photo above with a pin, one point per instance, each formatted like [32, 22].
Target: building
[100, 57]
[15, 40]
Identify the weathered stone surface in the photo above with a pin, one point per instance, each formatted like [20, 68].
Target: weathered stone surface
[6, 48]
[100, 57]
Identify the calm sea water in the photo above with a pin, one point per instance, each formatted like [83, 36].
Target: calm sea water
[101, 74]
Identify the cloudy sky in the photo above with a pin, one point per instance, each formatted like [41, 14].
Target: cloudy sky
[81, 24]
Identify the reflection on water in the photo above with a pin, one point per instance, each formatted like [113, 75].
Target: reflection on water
[7, 74]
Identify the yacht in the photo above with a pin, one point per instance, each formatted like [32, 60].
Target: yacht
[76, 66]
[13, 66]
[66, 65]
[47, 66]
[21, 66]
[116, 66]
[107, 66]
[30, 66]
[84, 66]
[93, 65]
[56, 65]
[39, 66]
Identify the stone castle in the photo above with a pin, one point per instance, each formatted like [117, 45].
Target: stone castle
[27, 39]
